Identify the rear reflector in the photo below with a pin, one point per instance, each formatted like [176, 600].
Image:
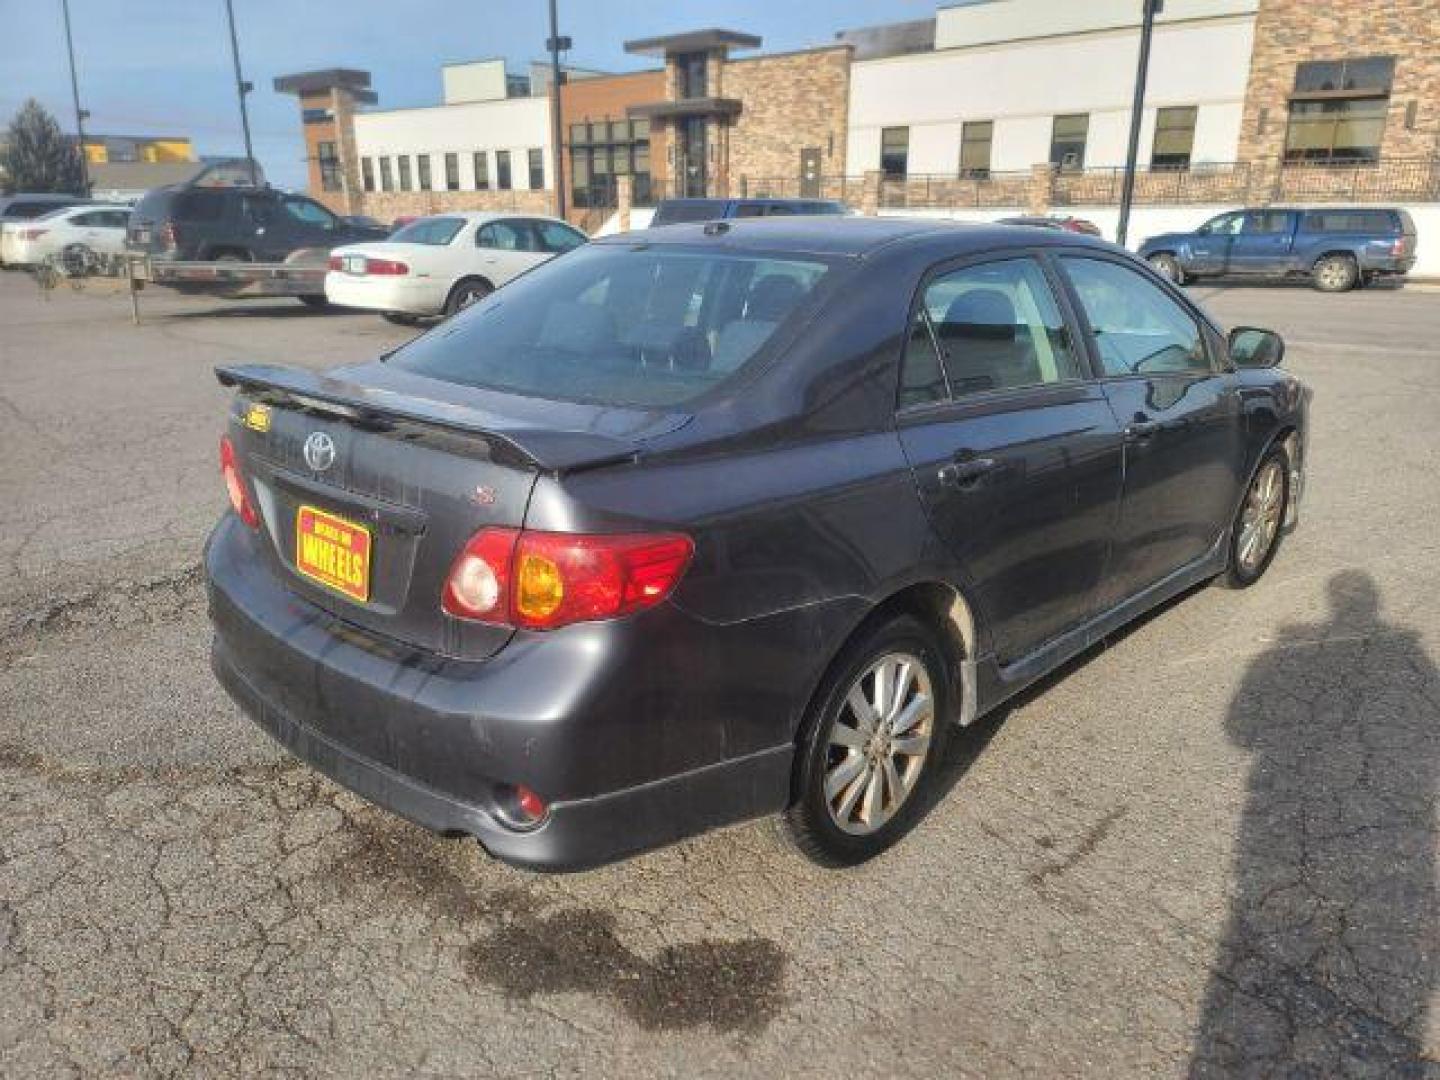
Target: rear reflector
[543, 580]
[235, 485]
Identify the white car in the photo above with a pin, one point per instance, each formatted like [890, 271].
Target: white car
[76, 230]
[438, 265]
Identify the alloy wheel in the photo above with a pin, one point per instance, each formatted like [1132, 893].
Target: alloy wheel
[1260, 518]
[878, 742]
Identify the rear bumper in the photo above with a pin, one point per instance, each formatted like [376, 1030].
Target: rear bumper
[1387, 265]
[385, 294]
[623, 764]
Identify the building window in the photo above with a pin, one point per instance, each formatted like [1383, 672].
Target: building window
[1174, 137]
[537, 170]
[693, 71]
[1067, 141]
[404, 160]
[367, 173]
[329, 166]
[387, 182]
[316, 116]
[422, 165]
[601, 151]
[975, 140]
[1337, 112]
[502, 169]
[482, 170]
[895, 151]
[452, 172]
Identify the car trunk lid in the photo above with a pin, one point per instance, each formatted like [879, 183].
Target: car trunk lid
[369, 481]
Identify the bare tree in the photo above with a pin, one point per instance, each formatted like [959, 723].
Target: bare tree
[36, 155]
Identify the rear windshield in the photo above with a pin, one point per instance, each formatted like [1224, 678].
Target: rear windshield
[676, 213]
[1349, 221]
[614, 325]
[437, 231]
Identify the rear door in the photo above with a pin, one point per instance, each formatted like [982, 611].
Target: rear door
[1179, 413]
[1264, 242]
[508, 247]
[1014, 448]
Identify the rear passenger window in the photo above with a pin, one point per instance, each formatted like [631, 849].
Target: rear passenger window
[997, 326]
[200, 206]
[1137, 327]
[504, 236]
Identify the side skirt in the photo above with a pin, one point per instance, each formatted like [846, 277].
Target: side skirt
[997, 683]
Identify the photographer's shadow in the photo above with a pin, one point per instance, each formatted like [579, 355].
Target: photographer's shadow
[1330, 955]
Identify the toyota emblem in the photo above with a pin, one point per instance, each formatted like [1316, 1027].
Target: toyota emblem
[319, 451]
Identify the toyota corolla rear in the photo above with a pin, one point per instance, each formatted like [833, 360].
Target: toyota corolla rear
[410, 594]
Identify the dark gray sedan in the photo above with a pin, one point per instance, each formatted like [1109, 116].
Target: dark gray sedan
[724, 520]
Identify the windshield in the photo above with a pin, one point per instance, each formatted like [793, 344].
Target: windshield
[437, 231]
[619, 325]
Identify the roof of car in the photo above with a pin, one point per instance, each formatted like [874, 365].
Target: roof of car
[489, 215]
[853, 236]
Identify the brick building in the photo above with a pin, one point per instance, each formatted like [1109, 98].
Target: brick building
[328, 100]
[1345, 81]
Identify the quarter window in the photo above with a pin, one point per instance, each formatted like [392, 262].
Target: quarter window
[1138, 329]
[996, 326]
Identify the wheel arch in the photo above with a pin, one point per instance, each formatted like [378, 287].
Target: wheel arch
[1326, 253]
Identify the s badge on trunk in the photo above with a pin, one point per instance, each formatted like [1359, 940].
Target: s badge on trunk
[319, 451]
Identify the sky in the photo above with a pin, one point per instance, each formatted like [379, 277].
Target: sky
[162, 67]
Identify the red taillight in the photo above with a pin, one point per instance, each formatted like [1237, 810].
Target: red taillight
[386, 266]
[543, 580]
[235, 486]
[337, 263]
[1401, 247]
[32, 234]
[168, 236]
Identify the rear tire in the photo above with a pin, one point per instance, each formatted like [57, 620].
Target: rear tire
[1168, 267]
[314, 301]
[1259, 524]
[1335, 273]
[465, 293]
[861, 785]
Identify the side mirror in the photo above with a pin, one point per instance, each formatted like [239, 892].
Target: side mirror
[1251, 347]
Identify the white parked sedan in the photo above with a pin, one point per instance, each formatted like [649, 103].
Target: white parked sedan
[438, 265]
[78, 230]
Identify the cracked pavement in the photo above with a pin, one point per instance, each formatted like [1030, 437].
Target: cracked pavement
[1206, 848]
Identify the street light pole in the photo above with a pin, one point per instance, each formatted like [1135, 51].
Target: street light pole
[1137, 111]
[241, 88]
[80, 114]
[555, 44]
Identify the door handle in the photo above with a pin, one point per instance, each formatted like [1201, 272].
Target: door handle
[966, 472]
[1141, 430]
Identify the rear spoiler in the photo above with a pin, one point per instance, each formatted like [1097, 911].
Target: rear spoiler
[548, 449]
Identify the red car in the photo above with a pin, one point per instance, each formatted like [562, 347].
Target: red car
[1069, 224]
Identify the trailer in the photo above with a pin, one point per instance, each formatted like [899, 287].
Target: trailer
[301, 275]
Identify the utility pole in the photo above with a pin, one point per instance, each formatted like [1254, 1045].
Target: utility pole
[1137, 111]
[555, 44]
[80, 114]
[241, 88]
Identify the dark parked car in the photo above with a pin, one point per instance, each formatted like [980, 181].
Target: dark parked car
[251, 224]
[681, 211]
[742, 519]
[1069, 223]
[1337, 248]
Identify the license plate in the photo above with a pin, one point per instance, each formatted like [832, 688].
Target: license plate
[333, 551]
[355, 264]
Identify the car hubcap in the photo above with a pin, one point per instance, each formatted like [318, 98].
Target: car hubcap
[878, 743]
[470, 296]
[1260, 519]
[1165, 269]
[1333, 274]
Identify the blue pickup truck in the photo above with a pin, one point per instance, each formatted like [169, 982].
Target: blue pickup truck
[1337, 248]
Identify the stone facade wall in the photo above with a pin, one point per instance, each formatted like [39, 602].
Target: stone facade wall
[388, 205]
[1289, 31]
[789, 102]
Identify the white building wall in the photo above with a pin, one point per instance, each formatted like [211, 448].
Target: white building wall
[1013, 20]
[514, 124]
[1023, 85]
[477, 80]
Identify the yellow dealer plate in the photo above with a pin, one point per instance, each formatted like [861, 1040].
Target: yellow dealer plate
[333, 551]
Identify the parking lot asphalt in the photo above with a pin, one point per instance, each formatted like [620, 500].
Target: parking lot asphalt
[1207, 847]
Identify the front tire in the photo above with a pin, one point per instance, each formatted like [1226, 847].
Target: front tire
[1168, 267]
[1260, 522]
[1335, 273]
[874, 734]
